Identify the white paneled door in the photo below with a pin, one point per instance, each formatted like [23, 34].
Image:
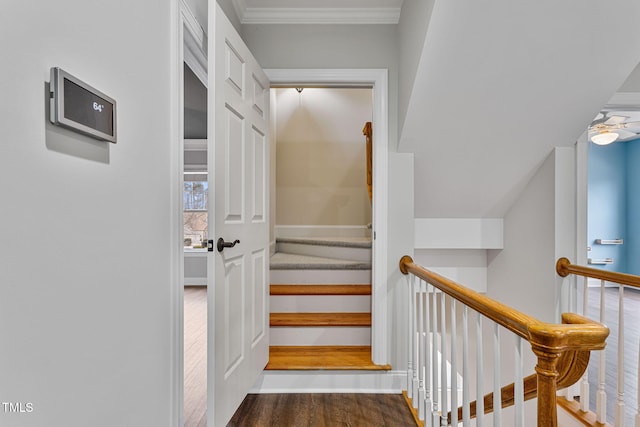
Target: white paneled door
[238, 110]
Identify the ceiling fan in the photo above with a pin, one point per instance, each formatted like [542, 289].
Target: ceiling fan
[610, 126]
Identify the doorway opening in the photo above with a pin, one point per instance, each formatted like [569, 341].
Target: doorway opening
[376, 80]
[192, 199]
[322, 227]
[195, 220]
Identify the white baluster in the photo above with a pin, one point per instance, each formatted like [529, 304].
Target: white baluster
[416, 347]
[479, 374]
[601, 396]
[584, 386]
[619, 411]
[434, 358]
[454, 365]
[427, 356]
[444, 383]
[410, 283]
[466, 414]
[421, 355]
[497, 367]
[518, 389]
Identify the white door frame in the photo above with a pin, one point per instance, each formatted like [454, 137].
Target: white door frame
[377, 78]
[189, 42]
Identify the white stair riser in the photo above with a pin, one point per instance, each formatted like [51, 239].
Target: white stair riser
[301, 277]
[338, 252]
[334, 335]
[320, 303]
[322, 231]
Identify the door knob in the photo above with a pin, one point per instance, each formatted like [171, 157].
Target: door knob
[222, 244]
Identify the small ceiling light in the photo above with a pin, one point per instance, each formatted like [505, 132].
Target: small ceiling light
[604, 137]
[299, 89]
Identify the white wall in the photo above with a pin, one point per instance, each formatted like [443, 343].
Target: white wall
[321, 156]
[229, 10]
[412, 29]
[632, 84]
[85, 225]
[538, 229]
[400, 243]
[354, 46]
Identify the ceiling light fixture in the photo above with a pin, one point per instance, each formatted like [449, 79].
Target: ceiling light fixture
[604, 137]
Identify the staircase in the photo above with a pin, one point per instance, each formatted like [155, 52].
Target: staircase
[321, 305]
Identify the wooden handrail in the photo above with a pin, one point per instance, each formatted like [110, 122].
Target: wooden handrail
[367, 131]
[564, 268]
[560, 348]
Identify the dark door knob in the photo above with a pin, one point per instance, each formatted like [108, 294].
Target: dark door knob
[222, 244]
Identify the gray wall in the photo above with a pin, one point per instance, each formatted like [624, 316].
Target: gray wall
[412, 30]
[538, 229]
[229, 10]
[86, 327]
[632, 84]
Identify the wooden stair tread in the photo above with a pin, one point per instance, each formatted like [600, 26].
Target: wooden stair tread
[320, 319]
[322, 358]
[320, 289]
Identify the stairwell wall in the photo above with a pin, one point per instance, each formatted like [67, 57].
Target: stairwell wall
[412, 31]
[538, 229]
[320, 156]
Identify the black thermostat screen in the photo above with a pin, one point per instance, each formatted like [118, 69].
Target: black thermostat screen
[85, 108]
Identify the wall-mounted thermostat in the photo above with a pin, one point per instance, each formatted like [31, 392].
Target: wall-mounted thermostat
[80, 107]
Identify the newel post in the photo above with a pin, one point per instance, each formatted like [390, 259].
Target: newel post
[544, 347]
[547, 373]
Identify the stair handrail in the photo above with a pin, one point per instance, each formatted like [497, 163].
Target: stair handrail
[367, 131]
[564, 268]
[561, 349]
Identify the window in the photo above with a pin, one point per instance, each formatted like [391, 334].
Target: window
[195, 198]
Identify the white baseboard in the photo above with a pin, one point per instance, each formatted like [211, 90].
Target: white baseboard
[300, 231]
[331, 382]
[195, 281]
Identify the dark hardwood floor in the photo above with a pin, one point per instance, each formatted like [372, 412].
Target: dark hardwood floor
[631, 341]
[322, 410]
[277, 410]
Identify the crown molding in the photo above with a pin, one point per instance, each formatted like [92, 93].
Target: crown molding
[306, 15]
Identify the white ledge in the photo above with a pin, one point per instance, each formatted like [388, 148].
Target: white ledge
[458, 233]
